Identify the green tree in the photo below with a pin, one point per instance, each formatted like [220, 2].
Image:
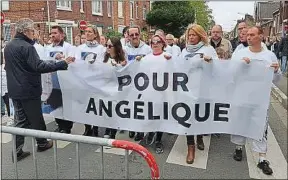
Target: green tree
[112, 33]
[203, 14]
[171, 16]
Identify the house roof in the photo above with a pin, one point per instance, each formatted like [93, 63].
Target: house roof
[266, 9]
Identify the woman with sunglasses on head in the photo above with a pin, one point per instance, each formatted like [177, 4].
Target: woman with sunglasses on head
[115, 56]
[89, 52]
[158, 45]
[196, 45]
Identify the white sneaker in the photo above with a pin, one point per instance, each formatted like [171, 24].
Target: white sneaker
[106, 136]
[10, 122]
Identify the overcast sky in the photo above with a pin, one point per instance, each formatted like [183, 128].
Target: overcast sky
[227, 12]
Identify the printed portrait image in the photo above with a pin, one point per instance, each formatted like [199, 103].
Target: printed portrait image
[88, 57]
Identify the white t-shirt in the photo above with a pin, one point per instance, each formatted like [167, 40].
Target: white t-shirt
[67, 50]
[205, 50]
[176, 51]
[85, 53]
[40, 50]
[265, 55]
[132, 52]
[4, 81]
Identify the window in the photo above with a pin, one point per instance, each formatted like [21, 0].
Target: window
[144, 12]
[131, 10]
[5, 5]
[109, 8]
[120, 28]
[120, 9]
[64, 5]
[81, 6]
[97, 8]
[67, 28]
[100, 30]
[136, 10]
[7, 32]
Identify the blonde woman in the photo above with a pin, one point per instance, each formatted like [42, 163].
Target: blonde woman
[196, 44]
[90, 52]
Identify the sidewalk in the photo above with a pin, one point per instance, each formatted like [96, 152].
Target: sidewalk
[279, 91]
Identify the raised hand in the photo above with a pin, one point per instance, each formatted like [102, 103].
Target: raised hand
[59, 56]
[123, 63]
[167, 57]
[207, 59]
[275, 66]
[70, 60]
[246, 60]
[138, 58]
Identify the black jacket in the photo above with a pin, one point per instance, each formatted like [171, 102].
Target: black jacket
[24, 67]
[283, 46]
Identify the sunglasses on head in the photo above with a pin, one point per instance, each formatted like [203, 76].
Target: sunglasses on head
[135, 34]
[156, 42]
[109, 46]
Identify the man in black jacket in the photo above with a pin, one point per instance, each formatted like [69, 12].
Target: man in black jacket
[235, 42]
[23, 69]
[283, 49]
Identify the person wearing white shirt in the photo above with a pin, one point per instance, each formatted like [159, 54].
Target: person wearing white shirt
[136, 49]
[176, 51]
[4, 91]
[125, 39]
[90, 52]
[197, 44]
[167, 49]
[59, 49]
[255, 50]
[115, 56]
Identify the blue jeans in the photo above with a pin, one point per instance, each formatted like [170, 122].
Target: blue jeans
[284, 64]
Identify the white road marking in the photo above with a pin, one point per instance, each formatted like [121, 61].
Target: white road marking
[117, 151]
[179, 151]
[274, 156]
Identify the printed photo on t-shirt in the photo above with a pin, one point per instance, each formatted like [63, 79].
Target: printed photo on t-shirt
[133, 57]
[53, 54]
[88, 56]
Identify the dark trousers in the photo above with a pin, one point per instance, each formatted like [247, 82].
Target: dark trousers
[110, 131]
[6, 101]
[159, 136]
[28, 114]
[64, 124]
[190, 139]
[87, 126]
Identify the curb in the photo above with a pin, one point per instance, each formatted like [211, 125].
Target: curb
[279, 95]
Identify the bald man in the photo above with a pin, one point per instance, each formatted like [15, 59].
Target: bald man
[176, 51]
[217, 39]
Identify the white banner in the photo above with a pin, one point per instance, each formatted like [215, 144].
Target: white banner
[176, 96]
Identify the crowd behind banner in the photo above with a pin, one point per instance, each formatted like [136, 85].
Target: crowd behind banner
[28, 59]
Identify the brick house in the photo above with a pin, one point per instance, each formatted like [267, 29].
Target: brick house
[263, 13]
[67, 14]
[128, 13]
[249, 19]
[280, 17]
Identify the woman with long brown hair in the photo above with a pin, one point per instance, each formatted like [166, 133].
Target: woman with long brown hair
[116, 56]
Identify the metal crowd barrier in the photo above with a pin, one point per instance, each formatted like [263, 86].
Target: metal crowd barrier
[80, 139]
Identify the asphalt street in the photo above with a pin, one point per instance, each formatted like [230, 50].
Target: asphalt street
[282, 84]
[214, 162]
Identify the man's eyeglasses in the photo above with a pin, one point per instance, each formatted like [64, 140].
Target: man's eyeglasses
[109, 46]
[135, 34]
